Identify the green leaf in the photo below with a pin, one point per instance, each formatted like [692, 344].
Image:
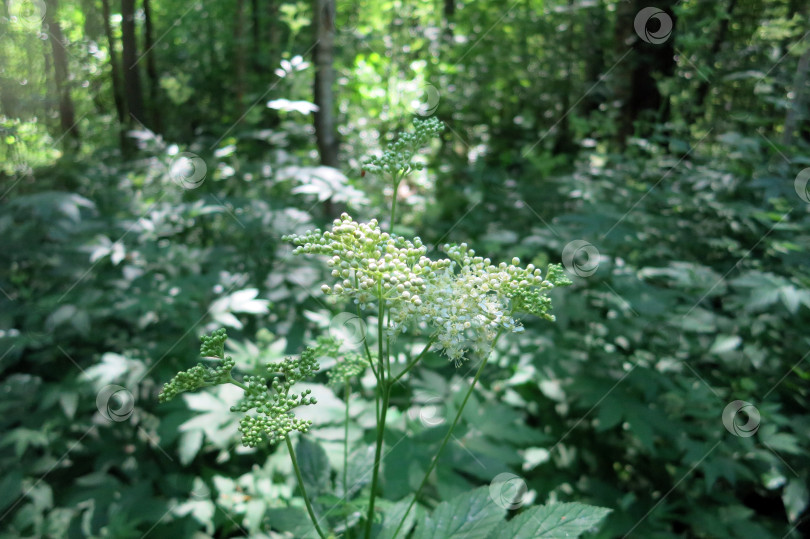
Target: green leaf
[294, 520]
[10, 488]
[725, 343]
[314, 466]
[795, 498]
[392, 517]
[469, 516]
[552, 521]
[190, 444]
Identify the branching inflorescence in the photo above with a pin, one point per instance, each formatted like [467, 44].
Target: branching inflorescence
[275, 418]
[212, 347]
[464, 298]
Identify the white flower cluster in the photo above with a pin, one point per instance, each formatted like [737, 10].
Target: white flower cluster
[466, 298]
[371, 265]
[473, 300]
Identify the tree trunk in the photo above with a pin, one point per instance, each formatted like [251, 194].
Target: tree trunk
[115, 69]
[449, 15]
[323, 53]
[796, 110]
[719, 38]
[594, 59]
[132, 79]
[636, 88]
[564, 143]
[67, 115]
[256, 26]
[151, 68]
[239, 57]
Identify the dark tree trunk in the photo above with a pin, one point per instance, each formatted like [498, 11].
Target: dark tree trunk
[594, 59]
[275, 32]
[564, 142]
[151, 68]
[115, 70]
[449, 14]
[132, 79]
[797, 108]
[719, 38]
[323, 53]
[67, 115]
[255, 49]
[636, 88]
[239, 57]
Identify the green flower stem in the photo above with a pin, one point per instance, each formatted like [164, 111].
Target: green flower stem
[447, 436]
[413, 363]
[377, 458]
[238, 384]
[347, 394]
[365, 346]
[384, 390]
[395, 182]
[303, 489]
[388, 347]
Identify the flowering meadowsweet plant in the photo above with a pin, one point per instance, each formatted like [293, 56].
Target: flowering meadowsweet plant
[460, 305]
[464, 297]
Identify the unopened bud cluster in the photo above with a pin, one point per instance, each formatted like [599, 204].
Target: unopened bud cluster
[397, 159]
[211, 346]
[277, 419]
[274, 405]
[348, 367]
[466, 298]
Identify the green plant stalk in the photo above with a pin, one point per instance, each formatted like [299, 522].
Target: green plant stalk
[413, 363]
[447, 436]
[377, 461]
[383, 390]
[347, 394]
[238, 384]
[394, 201]
[303, 489]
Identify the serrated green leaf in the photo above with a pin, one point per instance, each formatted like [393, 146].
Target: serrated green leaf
[294, 520]
[560, 520]
[392, 517]
[469, 516]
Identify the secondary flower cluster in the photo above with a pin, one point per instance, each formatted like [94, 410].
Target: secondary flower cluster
[211, 346]
[397, 159]
[466, 298]
[349, 366]
[277, 419]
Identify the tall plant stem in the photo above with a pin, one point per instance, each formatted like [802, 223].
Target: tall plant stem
[413, 363]
[377, 459]
[447, 436]
[347, 394]
[394, 202]
[303, 489]
[384, 391]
